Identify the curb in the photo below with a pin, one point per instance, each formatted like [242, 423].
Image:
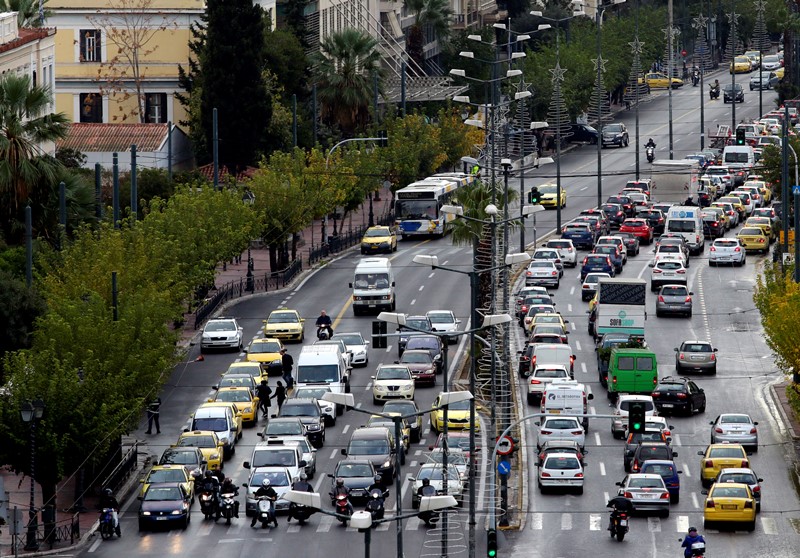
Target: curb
[781, 411]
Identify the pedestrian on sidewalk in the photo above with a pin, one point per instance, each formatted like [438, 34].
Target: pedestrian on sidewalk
[264, 393]
[288, 363]
[280, 394]
[153, 410]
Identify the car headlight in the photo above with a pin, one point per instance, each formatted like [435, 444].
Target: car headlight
[408, 387]
[223, 439]
[214, 456]
[313, 427]
[248, 410]
[276, 362]
[176, 512]
[387, 464]
[146, 513]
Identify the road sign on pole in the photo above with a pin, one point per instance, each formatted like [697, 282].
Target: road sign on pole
[796, 189]
[503, 467]
[505, 446]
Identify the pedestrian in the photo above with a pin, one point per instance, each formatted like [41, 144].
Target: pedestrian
[288, 362]
[153, 410]
[280, 394]
[264, 393]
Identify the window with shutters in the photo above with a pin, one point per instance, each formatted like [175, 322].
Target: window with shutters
[90, 45]
[91, 107]
[155, 108]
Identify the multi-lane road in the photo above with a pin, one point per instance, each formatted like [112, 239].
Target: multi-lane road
[556, 525]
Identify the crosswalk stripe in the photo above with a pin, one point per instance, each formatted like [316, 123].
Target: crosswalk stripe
[595, 522]
[536, 521]
[382, 527]
[566, 521]
[654, 524]
[205, 528]
[293, 529]
[412, 525]
[769, 526]
[325, 524]
[682, 523]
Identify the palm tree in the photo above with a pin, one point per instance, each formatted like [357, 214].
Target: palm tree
[434, 14]
[346, 66]
[27, 11]
[25, 124]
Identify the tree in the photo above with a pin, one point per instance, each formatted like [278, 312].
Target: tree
[430, 14]
[346, 64]
[232, 82]
[456, 138]
[28, 14]
[294, 12]
[20, 306]
[133, 27]
[414, 150]
[25, 125]
[777, 297]
[191, 81]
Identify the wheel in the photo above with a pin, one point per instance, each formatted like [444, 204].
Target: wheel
[675, 499]
[689, 314]
[580, 490]
[702, 408]
[751, 526]
[106, 531]
[142, 526]
[531, 399]
[620, 535]
[712, 263]
[665, 513]
[658, 314]
[375, 401]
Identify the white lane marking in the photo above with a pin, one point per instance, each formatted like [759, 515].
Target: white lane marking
[682, 523]
[296, 528]
[430, 277]
[569, 309]
[606, 497]
[582, 189]
[96, 543]
[412, 525]
[358, 404]
[577, 346]
[413, 300]
[687, 472]
[571, 292]
[597, 438]
[325, 524]
[421, 287]
[414, 464]
[347, 427]
[536, 521]
[676, 438]
[654, 524]
[695, 501]
[369, 387]
[601, 464]
[583, 367]
[334, 451]
[574, 327]
[566, 521]
[769, 526]
[595, 521]
[388, 348]
[417, 453]
[382, 527]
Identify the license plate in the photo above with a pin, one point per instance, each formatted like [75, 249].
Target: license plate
[649, 496]
[554, 412]
[668, 405]
[623, 522]
[161, 518]
[728, 506]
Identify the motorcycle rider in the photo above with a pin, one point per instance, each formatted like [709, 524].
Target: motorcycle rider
[689, 540]
[618, 505]
[107, 500]
[426, 490]
[211, 484]
[300, 485]
[714, 89]
[690, 202]
[650, 143]
[340, 489]
[266, 490]
[324, 322]
[228, 487]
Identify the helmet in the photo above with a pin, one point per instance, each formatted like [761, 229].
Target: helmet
[303, 477]
[340, 481]
[209, 474]
[378, 478]
[228, 480]
[197, 473]
[426, 482]
[108, 492]
[693, 529]
[265, 483]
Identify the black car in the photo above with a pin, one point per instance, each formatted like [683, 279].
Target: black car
[615, 134]
[654, 218]
[615, 214]
[646, 451]
[674, 394]
[310, 414]
[357, 474]
[713, 227]
[165, 504]
[418, 323]
[631, 242]
[733, 93]
[525, 360]
[582, 133]
[635, 439]
[626, 203]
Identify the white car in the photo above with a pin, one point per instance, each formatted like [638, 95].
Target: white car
[356, 345]
[658, 423]
[671, 251]
[542, 272]
[589, 285]
[646, 492]
[541, 377]
[620, 423]
[455, 456]
[435, 473]
[617, 241]
[637, 196]
[561, 470]
[444, 320]
[567, 250]
[727, 250]
[561, 428]
[280, 480]
[550, 254]
[309, 453]
[667, 271]
[222, 333]
[392, 381]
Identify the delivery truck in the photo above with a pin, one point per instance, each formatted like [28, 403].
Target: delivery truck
[674, 180]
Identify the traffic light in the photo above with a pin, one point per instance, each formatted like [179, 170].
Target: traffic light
[636, 417]
[534, 196]
[740, 140]
[491, 543]
[379, 341]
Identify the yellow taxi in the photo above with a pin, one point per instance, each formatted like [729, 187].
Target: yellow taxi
[765, 224]
[736, 203]
[763, 189]
[405, 428]
[657, 80]
[284, 324]
[721, 456]
[245, 367]
[246, 403]
[164, 474]
[753, 239]
[730, 212]
[741, 65]
[548, 194]
[722, 214]
[209, 444]
[457, 416]
[236, 414]
[729, 502]
[379, 239]
[779, 73]
[267, 353]
[550, 318]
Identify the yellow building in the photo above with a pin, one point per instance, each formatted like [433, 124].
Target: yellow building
[98, 42]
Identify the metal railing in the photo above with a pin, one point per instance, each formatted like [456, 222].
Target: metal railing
[343, 241]
[123, 469]
[51, 532]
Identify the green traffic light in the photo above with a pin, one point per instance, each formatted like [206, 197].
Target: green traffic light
[492, 553]
[637, 426]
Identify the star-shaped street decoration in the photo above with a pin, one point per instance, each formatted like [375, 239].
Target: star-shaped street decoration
[675, 32]
[760, 5]
[558, 73]
[636, 45]
[599, 64]
[733, 18]
[700, 22]
[521, 86]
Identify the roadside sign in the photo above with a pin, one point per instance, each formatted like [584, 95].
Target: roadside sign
[503, 467]
[795, 189]
[788, 259]
[505, 446]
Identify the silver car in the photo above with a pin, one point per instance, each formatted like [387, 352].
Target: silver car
[444, 320]
[735, 428]
[542, 272]
[308, 451]
[356, 345]
[696, 355]
[280, 480]
[674, 299]
[222, 333]
[646, 492]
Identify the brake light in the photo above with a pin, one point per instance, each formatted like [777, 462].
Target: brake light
[753, 430]
[713, 249]
[718, 430]
[628, 495]
[756, 489]
[613, 379]
[576, 432]
[578, 475]
[713, 357]
[681, 271]
[535, 382]
[655, 381]
[697, 238]
[665, 495]
[688, 299]
[533, 360]
[761, 241]
[554, 273]
[681, 396]
[656, 394]
[710, 503]
[660, 298]
[737, 249]
[545, 474]
[528, 273]
[635, 466]
[656, 270]
[745, 464]
[546, 432]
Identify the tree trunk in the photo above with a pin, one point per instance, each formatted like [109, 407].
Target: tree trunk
[49, 508]
[294, 246]
[273, 257]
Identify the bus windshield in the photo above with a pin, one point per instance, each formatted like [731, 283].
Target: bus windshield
[416, 209]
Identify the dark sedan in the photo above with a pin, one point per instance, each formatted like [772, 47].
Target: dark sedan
[626, 203]
[733, 93]
[615, 134]
[164, 504]
[615, 214]
[580, 234]
[421, 364]
[631, 242]
[358, 475]
[600, 263]
[582, 133]
[654, 218]
[613, 253]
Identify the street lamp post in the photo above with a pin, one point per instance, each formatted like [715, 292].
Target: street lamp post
[31, 413]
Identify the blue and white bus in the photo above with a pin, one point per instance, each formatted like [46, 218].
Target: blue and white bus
[417, 206]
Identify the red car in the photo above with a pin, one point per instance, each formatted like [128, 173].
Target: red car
[639, 228]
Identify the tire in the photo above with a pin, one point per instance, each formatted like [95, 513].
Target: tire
[106, 531]
[751, 526]
[658, 314]
[579, 491]
[689, 314]
[620, 533]
[142, 526]
[376, 402]
[675, 499]
[712, 264]
[665, 513]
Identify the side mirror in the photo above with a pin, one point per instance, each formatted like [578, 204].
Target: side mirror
[141, 481]
[755, 423]
[246, 464]
[674, 454]
[760, 480]
[715, 350]
[392, 283]
[140, 498]
[701, 453]
[263, 321]
[397, 362]
[430, 447]
[669, 439]
[618, 483]
[704, 492]
[260, 434]
[210, 400]
[566, 321]
[329, 475]
[711, 422]
[691, 293]
[366, 342]
[215, 387]
[590, 397]
[372, 377]
[244, 484]
[349, 285]
[676, 349]
[344, 451]
[651, 265]
[302, 463]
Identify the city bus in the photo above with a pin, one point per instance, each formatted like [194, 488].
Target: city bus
[417, 206]
[621, 306]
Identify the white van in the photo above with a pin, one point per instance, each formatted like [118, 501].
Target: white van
[323, 365]
[373, 286]
[547, 354]
[738, 157]
[687, 221]
[564, 397]
[219, 420]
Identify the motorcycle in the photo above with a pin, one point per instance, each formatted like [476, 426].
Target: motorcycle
[208, 504]
[300, 513]
[695, 78]
[228, 506]
[430, 517]
[651, 153]
[698, 549]
[265, 513]
[324, 333]
[106, 523]
[343, 508]
[714, 93]
[619, 525]
[375, 505]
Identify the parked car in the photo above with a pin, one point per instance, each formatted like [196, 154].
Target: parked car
[582, 133]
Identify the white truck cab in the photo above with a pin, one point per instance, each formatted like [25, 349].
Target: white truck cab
[373, 286]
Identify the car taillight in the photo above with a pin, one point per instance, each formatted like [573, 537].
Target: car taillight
[718, 430]
[533, 360]
[753, 430]
[528, 273]
[660, 298]
[656, 394]
[554, 273]
[748, 505]
[681, 396]
[756, 489]
[628, 495]
[665, 496]
[545, 474]
[761, 241]
[635, 466]
[546, 432]
[681, 356]
[713, 249]
[697, 238]
[524, 358]
[656, 271]
[709, 463]
[737, 249]
[745, 464]
[613, 379]
[576, 432]
[710, 503]
[619, 213]
[681, 271]
[578, 475]
[688, 299]
[655, 381]
[535, 382]
[713, 357]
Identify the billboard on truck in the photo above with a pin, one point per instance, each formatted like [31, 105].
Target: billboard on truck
[674, 180]
[621, 306]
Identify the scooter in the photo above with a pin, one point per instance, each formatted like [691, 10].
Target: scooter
[228, 506]
[651, 153]
[343, 508]
[375, 505]
[106, 523]
[208, 504]
[695, 78]
[265, 513]
[324, 333]
[714, 93]
[698, 549]
[619, 525]
[431, 518]
[300, 513]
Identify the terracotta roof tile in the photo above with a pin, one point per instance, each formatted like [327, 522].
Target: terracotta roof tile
[208, 172]
[107, 138]
[27, 36]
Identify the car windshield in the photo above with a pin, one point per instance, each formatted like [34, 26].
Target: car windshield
[353, 470]
[276, 478]
[167, 475]
[393, 374]
[560, 424]
[674, 291]
[669, 265]
[227, 325]
[236, 382]
[311, 393]
[318, 373]
[729, 492]
[744, 478]
[626, 405]
[634, 223]
[753, 231]
[646, 437]
[368, 447]
[658, 469]
[669, 249]
[550, 373]
[416, 358]
[234, 396]
[696, 348]
[596, 260]
[265, 347]
[402, 407]
[371, 281]
[274, 458]
[543, 264]
[726, 452]
[644, 482]
[441, 318]
[299, 410]
[419, 324]
[283, 428]
[377, 232]
[178, 458]
[548, 320]
[559, 244]
[437, 473]
[677, 225]
[162, 493]
[654, 452]
[452, 458]
[218, 424]
[613, 128]
[735, 419]
[576, 228]
[197, 442]
[592, 279]
[561, 463]
[419, 342]
[250, 368]
[282, 318]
